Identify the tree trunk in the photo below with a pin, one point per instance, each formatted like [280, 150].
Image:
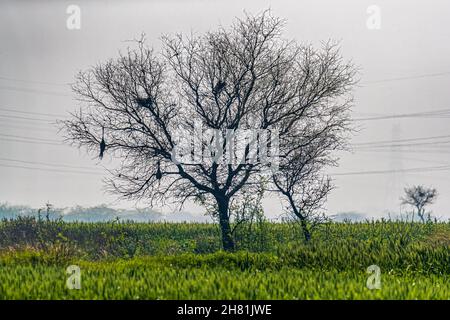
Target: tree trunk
[420, 213]
[224, 221]
[303, 222]
[306, 232]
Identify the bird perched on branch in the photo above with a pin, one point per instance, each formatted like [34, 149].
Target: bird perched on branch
[102, 144]
[145, 102]
[158, 172]
[219, 87]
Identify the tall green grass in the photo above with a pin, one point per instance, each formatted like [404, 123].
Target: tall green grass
[215, 276]
[127, 239]
[184, 261]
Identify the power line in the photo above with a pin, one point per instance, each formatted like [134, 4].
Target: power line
[49, 170]
[443, 113]
[401, 140]
[404, 145]
[421, 169]
[421, 151]
[33, 81]
[54, 93]
[24, 118]
[48, 164]
[412, 77]
[418, 160]
[32, 142]
[33, 127]
[29, 138]
[33, 113]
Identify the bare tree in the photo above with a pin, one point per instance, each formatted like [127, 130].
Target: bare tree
[419, 197]
[305, 202]
[242, 77]
[319, 129]
[299, 180]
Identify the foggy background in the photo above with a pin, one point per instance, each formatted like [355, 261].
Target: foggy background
[403, 94]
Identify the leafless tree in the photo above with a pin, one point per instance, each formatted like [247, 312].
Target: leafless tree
[243, 77]
[305, 202]
[419, 197]
[299, 179]
[316, 131]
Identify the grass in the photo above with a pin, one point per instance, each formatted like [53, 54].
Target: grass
[183, 261]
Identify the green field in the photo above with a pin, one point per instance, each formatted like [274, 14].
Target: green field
[184, 261]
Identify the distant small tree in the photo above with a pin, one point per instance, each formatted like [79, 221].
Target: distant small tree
[48, 208]
[419, 197]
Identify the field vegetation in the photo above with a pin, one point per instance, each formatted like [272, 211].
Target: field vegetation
[126, 260]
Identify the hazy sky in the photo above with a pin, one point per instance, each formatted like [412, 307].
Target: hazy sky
[405, 68]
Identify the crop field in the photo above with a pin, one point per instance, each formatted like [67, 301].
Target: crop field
[125, 260]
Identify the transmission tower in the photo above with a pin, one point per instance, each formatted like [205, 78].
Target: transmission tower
[395, 180]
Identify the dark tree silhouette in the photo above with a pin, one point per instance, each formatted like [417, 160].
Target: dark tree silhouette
[419, 197]
[304, 152]
[310, 136]
[243, 77]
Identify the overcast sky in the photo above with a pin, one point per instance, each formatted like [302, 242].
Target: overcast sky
[405, 68]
